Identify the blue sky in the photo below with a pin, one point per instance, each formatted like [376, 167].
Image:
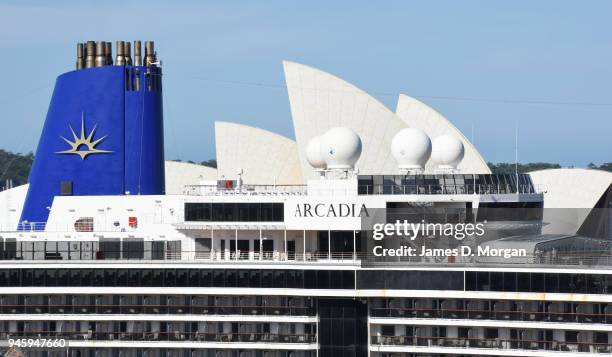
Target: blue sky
[489, 52]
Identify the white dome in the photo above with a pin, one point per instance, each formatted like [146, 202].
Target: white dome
[341, 148]
[411, 148]
[313, 153]
[447, 151]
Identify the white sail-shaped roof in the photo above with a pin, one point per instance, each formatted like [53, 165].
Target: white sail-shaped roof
[571, 188]
[419, 115]
[320, 101]
[264, 157]
[569, 195]
[181, 174]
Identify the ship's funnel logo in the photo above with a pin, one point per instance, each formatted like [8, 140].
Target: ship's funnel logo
[83, 146]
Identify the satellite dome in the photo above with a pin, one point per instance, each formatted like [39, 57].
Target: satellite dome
[447, 151]
[313, 153]
[341, 148]
[411, 148]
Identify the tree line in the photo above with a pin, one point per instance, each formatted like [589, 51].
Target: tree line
[15, 166]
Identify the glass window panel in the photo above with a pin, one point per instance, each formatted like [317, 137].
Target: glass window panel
[146, 278]
[267, 279]
[206, 278]
[255, 278]
[122, 277]
[267, 213]
[231, 277]
[182, 277]
[254, 212]
[75, 277]
[218, 278]
[169, 277]
[217, 212]
[280, 279]
[243, 212]
[279, 212]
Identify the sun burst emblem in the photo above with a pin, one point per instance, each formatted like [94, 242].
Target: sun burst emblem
[83, 146]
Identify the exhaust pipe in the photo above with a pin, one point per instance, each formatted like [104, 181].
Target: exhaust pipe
[100, 54]
[120, 59]
[137, 53]
[109, 53]
[127, 53]
[80, 61]
[149, 53]
[90, 59]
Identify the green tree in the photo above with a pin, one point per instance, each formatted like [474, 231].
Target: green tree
[508, 168]
[210, 163]
[15, 167]
[606, 166]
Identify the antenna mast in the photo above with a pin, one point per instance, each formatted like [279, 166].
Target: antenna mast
[516, 155]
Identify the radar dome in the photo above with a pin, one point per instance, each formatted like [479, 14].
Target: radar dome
[447, 151]
[341, 148]
[313, 153]
[411, 148]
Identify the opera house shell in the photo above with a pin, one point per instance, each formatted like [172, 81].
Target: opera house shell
[262, 156]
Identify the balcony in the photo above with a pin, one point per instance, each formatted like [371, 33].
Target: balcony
[156, 251]
[173, 336]
[111, 309]
[483, 343]
[473, 314]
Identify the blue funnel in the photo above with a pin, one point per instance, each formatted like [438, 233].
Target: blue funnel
[103, 135]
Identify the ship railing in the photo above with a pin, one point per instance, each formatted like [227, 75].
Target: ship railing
[494, 343]
[482, 314]
[61, 255]
[595, 258]
[378, 189]
[586, 259]
[26, 226]
[232, 337]
[252, 256]
[108, 309]
[254, 190]
[446, 189]
[173, 255]
[603, 259]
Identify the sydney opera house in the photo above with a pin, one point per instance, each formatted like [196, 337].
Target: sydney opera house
[320, 101]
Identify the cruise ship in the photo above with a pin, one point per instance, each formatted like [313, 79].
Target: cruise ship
[374, 233]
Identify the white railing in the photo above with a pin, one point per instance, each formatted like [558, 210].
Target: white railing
[214, 190]
[446, 189]
[594, 259]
